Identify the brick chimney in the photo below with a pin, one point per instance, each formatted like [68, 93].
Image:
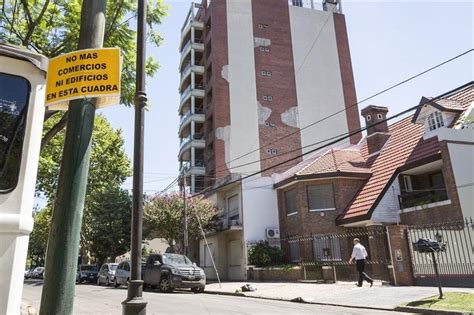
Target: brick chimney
[377, 134]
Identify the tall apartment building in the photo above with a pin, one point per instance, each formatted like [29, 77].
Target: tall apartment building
[253, 71]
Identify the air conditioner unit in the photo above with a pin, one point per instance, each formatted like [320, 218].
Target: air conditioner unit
[273, 233]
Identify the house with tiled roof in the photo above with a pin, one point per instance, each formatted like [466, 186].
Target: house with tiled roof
[416, 170]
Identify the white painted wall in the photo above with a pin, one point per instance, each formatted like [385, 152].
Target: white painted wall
[244, 136]
[260, 207]
[318, 76]
[387, 211]
[16, 208]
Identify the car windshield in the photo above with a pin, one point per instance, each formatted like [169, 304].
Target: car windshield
[176, 259]
[87, 268]
[113, 267]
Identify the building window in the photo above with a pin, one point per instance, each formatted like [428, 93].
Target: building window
[266, 73]
[272, 151]
[268, 98]
[436, 180]
[408, 183]
[261, 25]
[290, 201]
[233, 207]
[379, 116]
[294, 252]
[265, 49]
[368, 117]
[435, 120]
[320, 197]
[207, 256]
[326, 249]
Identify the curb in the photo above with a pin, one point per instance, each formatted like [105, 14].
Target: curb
[302, 300]
[428, 311]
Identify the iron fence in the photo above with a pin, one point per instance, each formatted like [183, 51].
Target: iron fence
[458, 258]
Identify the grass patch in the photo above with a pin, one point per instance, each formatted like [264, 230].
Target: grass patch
[452, 301]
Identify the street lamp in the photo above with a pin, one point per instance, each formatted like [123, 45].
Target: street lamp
[135, 304]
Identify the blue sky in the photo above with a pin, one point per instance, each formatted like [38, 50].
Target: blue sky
[389, 42]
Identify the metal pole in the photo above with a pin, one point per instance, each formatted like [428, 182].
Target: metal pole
[64, 236]
[135, 304]
[435, 265]
[186, 240]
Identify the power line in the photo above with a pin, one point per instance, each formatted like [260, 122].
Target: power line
[337, 140]
[221, 167]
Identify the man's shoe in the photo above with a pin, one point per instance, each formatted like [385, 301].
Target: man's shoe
[359, 285]
[371, 283]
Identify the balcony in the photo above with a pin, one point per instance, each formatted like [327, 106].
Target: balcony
[198, 92]
[186, 74]
[198, 169]
[185, 53]
[428, 198]
[186, 119]
[186, 31]
[196, 141]
[226, 224]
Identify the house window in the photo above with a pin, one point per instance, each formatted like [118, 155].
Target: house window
[272, 151]
[265, 49]
[233, 207]
[266, 73]
[294, 252]
[408, 184]
[435, 120]
[436, 180]
[379, 116]
[207, 256]
[290, 201]
[369, 117]
[320, 197]
[326, 249]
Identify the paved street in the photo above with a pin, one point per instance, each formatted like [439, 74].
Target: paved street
[92, 299]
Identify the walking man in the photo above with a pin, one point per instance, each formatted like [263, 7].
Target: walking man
[359, 254]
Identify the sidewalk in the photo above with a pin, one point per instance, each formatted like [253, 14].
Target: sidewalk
[339, 294]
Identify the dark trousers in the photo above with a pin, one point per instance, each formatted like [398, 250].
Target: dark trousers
[362, 275]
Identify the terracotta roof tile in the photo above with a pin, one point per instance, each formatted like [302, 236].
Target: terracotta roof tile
[405, 145]
[336, 160]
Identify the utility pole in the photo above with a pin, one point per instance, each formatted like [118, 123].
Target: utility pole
[63, 242]
[135, 304]
[186, 240]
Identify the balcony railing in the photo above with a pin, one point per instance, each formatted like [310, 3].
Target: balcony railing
[185, 167]
[225, 223]
[188, 66]
[420, 198]
[186, 140]
[185, 47]
[188, 114]
[186, 93]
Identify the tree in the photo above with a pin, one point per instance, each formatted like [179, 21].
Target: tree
[106, 221]
[164, 217]
[110, 224]
[39, 237]
[52, 28]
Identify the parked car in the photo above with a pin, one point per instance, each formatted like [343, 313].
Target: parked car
[106, 274]
[171, 271]
[86, 273]
[122, 274]
[37, 273]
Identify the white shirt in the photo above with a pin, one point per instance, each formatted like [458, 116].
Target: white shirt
[359, 252]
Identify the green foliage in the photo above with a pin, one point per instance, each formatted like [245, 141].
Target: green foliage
[263, 255]
[164, 217]
[39, 237]
[106, 220]
[52, 28]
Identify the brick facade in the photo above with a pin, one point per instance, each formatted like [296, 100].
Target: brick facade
[318, 222]
[281, 85]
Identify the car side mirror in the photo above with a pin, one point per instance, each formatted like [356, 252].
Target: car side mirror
[194, 264]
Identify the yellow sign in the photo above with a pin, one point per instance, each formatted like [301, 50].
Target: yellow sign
[83, 74]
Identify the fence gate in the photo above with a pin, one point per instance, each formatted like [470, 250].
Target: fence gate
[456, 264]
[314, 251]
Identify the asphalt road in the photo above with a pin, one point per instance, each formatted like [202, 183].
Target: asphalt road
[92, 299]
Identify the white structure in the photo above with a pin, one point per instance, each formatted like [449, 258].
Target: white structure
[22, 88]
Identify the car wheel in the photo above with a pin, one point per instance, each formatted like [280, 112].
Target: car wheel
[116, 285]
[198, 290]
[165, 285]
[107, 282]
